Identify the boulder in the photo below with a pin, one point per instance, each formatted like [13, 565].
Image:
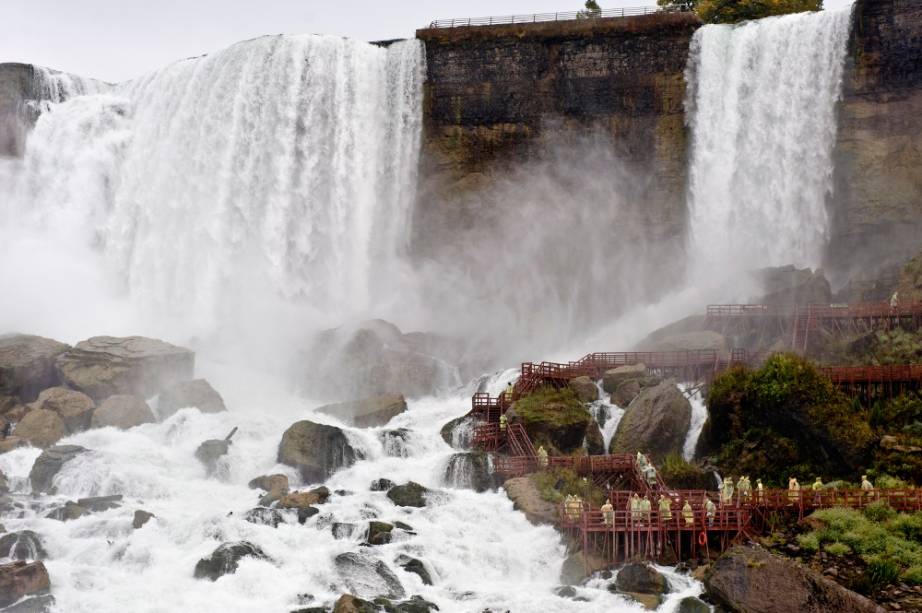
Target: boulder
[41, 428]
[27, 365]
[75, 408]
[367, 576]
[316, 450]
[21, 579]
[348, 603]
[210, 452]
[579, 566]
[22, 545]
[410, 494]
[105, 366]
[748, 578]
[70, 511]
[305, 513]
[640, 578]
[656, 422]
[197, 393]
[275, 486]
[471, 470]
[625, 393]
[414, 604]
[300, 500]
[264, 516]
[616, 376]
[585, 389]
[122, 411]
[690, 604]
[379, 533]
[368, 412]
[225, 559]
[97, 504]
[11, 442]
[412, 565]
[4, 484]
[141, 518]
[594, 442]
[381, 485]
[48, 464]
[526, 498]
[459, 432]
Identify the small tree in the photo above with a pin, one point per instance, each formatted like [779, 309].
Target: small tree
[592, 10]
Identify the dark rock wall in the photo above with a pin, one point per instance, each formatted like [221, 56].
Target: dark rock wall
[17, 87]
[877, 210]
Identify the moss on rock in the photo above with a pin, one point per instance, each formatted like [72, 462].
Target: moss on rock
[554, 418]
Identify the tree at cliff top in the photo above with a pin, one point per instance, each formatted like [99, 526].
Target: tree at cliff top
[592, 10]
[784, 419]
[734, 11]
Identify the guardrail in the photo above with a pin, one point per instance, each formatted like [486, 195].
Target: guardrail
[465, 22]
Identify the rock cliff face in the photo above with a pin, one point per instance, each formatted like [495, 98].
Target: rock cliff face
[877, 214]
[17, 87]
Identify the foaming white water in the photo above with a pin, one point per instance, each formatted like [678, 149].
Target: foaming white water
[699, 415]
[480, 552]
[272, 180]
[761, 107]
[607, 414]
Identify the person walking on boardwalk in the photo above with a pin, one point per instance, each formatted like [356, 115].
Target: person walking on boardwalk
[649, 474]
[645, 508]
[793, 490]
[866, 485]
[508, 393]
[502, 423]
[726, 492]
[817, 488]
[542, 457]
[665, 508]
[895, 300]
[745, 489]
[633, 506]
[760, 491]
[608, 513]
[710, 510]
[641, 461]
[687, 514]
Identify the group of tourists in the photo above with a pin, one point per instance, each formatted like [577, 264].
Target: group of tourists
[646, 469]
[573, 507]
[743, 491]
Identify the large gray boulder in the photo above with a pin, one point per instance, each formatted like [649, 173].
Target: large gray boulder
[368, 577]
[316, 450]
[197, 393]
[122, 411]
[21, 579]
[656, 422]
[103, 366]
[367, 412]
[75, 408]
[27, 365]
[225, 559]
[40, 428]
[585, 389]
[410, 494]
[750, 579]
[48, 464]
[616, 376]
[526, 498]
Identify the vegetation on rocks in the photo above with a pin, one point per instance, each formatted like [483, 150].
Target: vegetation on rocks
[784, 419]
[679, 474]
[733, 11]
[554, 418]
[557, 483]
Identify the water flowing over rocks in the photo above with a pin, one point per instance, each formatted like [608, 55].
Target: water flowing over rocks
[301, 500]
[316, 450]
[656, 423]
[75, 408]
[395, 442]
[27, 365]
[751, 579]
[409, 494]
[275, 487]
[21, 579]
[225, 559]
[141, 518]
[49, 463]
[104, 366]
[22, 545]
[368, 577]
[470, 470]
[123, 411]
[40, 428]
[197, 393]
[526, 498]
[367, 412]
[459, 432]
[415, 566]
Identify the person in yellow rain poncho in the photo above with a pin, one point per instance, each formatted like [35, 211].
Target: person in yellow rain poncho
[608, 513]
[645, 508]
[633, 506]
[793, 490]
[866, 485]
[688, 514]
[817, 489]
[542, 457]
[665, 508]
[760, 491]
[710, 510]
[744, 487]
[726, 492]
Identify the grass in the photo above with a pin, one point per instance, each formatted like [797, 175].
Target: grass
[555, 484]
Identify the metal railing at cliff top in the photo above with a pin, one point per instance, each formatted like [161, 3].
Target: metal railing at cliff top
[464, 22]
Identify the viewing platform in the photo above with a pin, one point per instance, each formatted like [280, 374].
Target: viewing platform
[613, 13]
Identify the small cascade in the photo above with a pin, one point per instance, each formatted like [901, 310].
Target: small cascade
[698, 417]
[395, 443]
[607, 415]
[469, 470]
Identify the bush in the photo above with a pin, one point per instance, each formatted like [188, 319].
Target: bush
[555, 484]
[882, 570]
[838, 549]
[913, 575]
[554, 418]
[879, 510]
[678, 473]
[809, 542]
[733, 11]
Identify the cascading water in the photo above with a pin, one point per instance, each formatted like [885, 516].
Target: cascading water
[761, 106]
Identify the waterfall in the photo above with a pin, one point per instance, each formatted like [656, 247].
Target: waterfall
[280, 170]
[761, 105]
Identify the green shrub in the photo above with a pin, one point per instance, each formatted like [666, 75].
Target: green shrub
[678, 473]
[913, 575]
[809, 542]
[554, 418]
[838, 549]
[879, 510]
[882, 570]
[886, 482]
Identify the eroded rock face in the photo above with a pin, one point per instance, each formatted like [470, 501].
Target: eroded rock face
[104, 366]
[656, 423]
[49, 463]
[751, 579]
[140, 518]
[526, 498]
[40, 428]
[367, 576]
[75, 408]
[316, 450]
[368, 412]
[21, 579]
[225, 559]
[197, 393]
[123, 411]
[27, 365]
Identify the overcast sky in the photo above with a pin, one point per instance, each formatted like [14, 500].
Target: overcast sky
[115, 40]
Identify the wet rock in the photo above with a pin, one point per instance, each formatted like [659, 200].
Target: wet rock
[415, 566]
[470, 470]
[36, 604]
[270, 483]
[526, 498]
[656, 422]
[97, 504]
[300, 500]
[367, 412]
[343, 530]
[367, 576]
[748, 578]
[459, 432]
[640, 578]
[22, 545]
[141, 518]
[70, 511]
[651, 602]
[348, 603]
[395, 442]
[27, 365]
[306, 513]
[197, 393]
[264, 517]
[379, 533]
[690, 604]
[381, 485]
[122, 411]
[225, 559]
[578, 566]
[21, 579]
[415, 604]
[105, 366]
[410, 494]
[616, 376]
[40, 428]
[48, 464]
[566, 591]
[585, 389]
[74, 408]
[11, 442]
[4, 484]
[594, 442]
[625, 393]
[404, 527]
[316, 450]
[210, 452]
